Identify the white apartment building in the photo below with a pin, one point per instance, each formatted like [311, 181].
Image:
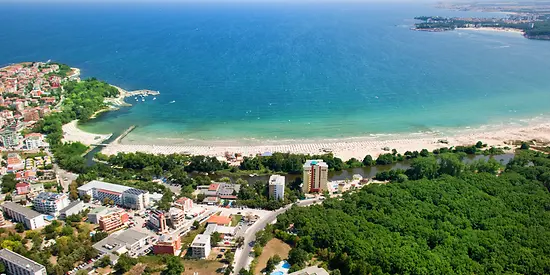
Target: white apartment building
[18, 265]
[30, 218]
[277, 187]
[50, 203]
[200, 248]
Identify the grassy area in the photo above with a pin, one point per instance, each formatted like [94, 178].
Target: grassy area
[273, 247]
[154, 262]
[203, 267]
[189, 237]
[236, 219]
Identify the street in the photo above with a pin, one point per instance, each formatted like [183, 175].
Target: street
[242, 255]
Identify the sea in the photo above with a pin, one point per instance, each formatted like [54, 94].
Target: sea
[252, 71]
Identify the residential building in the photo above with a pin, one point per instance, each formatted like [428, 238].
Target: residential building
[113, 220]
[30, 218]
[34, 141]
[121, 195]
[228, 191]
[157, 220]
[135, 199]
[315, 176]
[18, 265]
[312, 270]
[37, 188]
[219, 220]
[73, 208]
[168, 244]
[9, 137]
[100, 190]
[176, 217]
[50, 203]
[22, 188]
[277, 187]
[95, 214]
[128, 241]
[15, 163]
[200, 248]
[184, 204]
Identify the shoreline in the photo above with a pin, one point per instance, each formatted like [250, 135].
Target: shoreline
[71, 133]
[493, 29]
[358, 148]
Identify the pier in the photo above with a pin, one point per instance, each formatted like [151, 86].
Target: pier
[142, 93]
[118, 139]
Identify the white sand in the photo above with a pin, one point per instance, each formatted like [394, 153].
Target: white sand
[492, 29]
[72, 133]
[356, 147]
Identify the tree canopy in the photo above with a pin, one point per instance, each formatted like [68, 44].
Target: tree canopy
[467, 223]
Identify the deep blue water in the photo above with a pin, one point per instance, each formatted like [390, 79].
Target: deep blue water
[277, 71]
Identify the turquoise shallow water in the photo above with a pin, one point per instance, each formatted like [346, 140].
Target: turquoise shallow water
[285, 71]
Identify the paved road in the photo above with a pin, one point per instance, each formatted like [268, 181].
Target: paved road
[241, 260]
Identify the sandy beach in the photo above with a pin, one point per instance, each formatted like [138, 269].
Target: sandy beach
[491, 29]
[71, 133]
[356, 147]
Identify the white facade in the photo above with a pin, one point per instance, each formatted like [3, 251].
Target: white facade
[120, 194]
[73, 208]
[277, 187]
[18, 265]
[30, 218]
[50, 203]
[200, 248]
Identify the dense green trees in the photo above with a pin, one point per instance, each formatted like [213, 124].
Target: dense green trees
[124, 264]
[459, 222]
[174, 266]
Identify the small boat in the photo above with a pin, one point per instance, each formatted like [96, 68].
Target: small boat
[154, 98]
[173, 101]
[142, 99]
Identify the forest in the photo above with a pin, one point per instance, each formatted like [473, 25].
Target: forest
[473, 222]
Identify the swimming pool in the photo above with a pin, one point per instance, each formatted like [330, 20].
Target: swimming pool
[49, 218]
[286, 265]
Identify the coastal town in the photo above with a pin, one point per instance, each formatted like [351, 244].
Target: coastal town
[531, 20]
[44, 203]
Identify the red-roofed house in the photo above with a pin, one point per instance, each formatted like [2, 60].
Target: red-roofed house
[184, 203]
[23, 188]
[214, 187]
[219, 220]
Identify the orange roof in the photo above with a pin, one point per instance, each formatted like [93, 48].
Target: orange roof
[33, 135]
[213, 187]
[219, 220]
[14, 161]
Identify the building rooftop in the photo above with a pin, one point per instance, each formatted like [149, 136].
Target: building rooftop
[312, 270]
[71, 205]
[318, 162]
[201, 240]
[219, 220]
[28, 213]
[276, 180]
[228, 189]
[97, 210]
[131, 236]
[49, 196]
[20, 260]
[95, 184]
[116, 241]
[135, 191]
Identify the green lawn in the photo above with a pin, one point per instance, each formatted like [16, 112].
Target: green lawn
[236, 219]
